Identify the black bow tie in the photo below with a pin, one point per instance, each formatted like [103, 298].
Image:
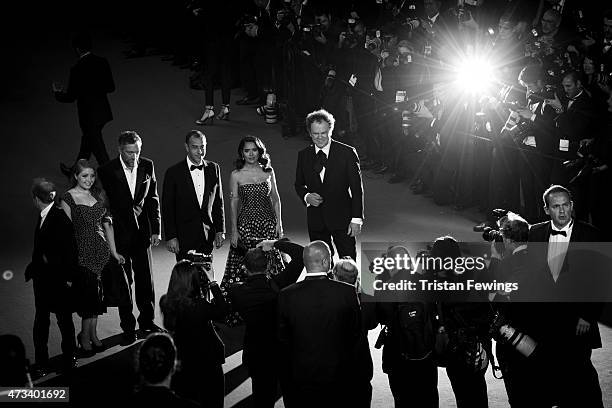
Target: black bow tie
[320, 161]
[193, 167]
[555, 232]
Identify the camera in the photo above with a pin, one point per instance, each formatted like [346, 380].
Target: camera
[204, 264]
[490, 230]
[247, 19]
[466, 348]
[503, 332]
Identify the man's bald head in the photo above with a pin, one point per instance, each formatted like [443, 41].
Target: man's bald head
[317, 257]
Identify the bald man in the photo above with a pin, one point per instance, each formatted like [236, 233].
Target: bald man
[319, 330]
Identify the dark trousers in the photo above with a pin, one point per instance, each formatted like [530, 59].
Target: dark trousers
[345, 244]
[572, 377]
[414, 383]
[265, 385]
[523, 378]
[204, 384]
[470, 388]
[138, 269]
[218, 55]
[93, 142]
[41, 333]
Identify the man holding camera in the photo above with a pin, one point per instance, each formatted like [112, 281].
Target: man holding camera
[521, 370]
[537, 141]
[570, 329]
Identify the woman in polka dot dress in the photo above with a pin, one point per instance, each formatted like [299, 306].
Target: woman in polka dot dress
[93, 230]
[255, 213]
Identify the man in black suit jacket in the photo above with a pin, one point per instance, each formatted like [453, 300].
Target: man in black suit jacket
[328, 181]
[89, 82]
[52, 269]
[130, 184]
[320, 333]
[192, 201]
[570, 330]
[256, 301]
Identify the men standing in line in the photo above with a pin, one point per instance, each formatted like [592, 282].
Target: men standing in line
[52, 269]
[328, 180]
[320, 334]
[90, 80]
[192, 201]
[130, 183]
[570, 329]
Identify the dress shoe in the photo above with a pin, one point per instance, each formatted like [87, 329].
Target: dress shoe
[252, 100]
[128, 338]
[66, 170]
[40, 370]
[207, 117]
[98, 349]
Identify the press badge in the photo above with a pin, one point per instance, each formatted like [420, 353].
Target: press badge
[564, 145]
[400, 96]
[352, 80]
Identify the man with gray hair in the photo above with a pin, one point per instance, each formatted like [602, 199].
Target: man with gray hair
[130, 183]
[319, 332]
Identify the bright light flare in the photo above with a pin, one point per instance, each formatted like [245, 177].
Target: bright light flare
[474, 75]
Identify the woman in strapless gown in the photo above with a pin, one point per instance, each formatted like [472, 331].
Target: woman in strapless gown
[255, 213]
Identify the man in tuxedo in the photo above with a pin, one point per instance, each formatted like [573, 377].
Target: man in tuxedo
[192, 201]
[328, 180]
[52, 269]
[256, 301]
[90, 80]
[320, 335]
[130, 184]
[570, 330]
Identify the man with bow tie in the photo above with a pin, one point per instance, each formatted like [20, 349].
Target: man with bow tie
[570, 331]
[328, 181]
[130, 183]
[192, 201]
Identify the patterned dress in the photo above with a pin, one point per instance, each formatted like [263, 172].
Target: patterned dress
[93, 252]
[256, 221]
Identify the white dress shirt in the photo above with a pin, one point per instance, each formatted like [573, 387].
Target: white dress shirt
[197, 176]
[557, 248]
[44, 212]
[130, 175]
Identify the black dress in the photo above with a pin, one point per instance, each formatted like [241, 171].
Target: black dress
[256, 221]
[93, 255]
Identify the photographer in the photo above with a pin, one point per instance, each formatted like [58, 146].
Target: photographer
[188, 316]
[407, 341]
[256, 301]
[536, 139]
[466, 354]
[521, 370]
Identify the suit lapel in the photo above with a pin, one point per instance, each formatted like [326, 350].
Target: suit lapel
[329, 167]
[140, 177]
[208, 179]
[311, 161]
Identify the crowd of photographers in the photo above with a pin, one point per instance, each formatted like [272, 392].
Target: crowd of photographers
[410, 86]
